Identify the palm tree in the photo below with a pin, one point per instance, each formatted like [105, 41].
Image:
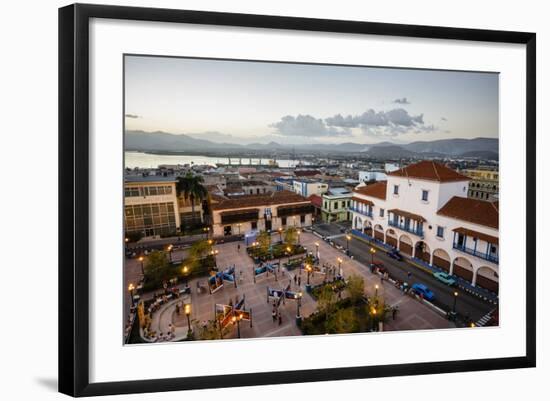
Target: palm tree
[192, 188]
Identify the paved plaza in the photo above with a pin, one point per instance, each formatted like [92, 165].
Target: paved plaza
[412, 314]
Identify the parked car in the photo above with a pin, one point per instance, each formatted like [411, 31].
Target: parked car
[394, 253]
[423, 291]
[377, 265]
[445, 278]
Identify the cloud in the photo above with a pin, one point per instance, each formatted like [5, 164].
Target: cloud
[372, 118]
[307, 126]
[131, 116]
[382, 123]
[403, 100]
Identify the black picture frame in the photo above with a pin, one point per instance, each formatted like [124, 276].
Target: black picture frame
[74, 201]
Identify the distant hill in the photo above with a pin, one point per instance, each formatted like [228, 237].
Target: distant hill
[163, 142]
[454, 147]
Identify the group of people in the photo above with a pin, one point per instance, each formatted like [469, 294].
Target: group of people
[152, 336]
[276, 314]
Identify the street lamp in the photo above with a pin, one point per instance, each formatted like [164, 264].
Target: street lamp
[280, 230]
[141, 261]
[299, 232]
[340, 267]
[188, 313]
[372, 252]
[131, 289]
[373, 319]
[454, 302]
[170, 247]
[298, 304]
[348, 238]
[308, 270]
[376, 290]
[185, 270]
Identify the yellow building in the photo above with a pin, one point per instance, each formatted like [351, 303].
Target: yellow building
[484, 184]
[150, 206]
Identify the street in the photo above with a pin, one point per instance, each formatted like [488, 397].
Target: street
[467, 306]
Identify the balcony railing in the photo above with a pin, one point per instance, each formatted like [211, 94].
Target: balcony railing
[476, 253]
[366, 212]
[418, 231]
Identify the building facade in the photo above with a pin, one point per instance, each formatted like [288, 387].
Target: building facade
[150, 206]
[335, 205]
[281, 209]
[423, 210]
[307, 188]
[484, 184]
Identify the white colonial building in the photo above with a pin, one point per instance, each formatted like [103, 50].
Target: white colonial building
[423, 211]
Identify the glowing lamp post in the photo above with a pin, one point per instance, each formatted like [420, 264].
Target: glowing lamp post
[131, 289]
[141, 261]
[188, 314]
[340, 267]
[170, 247]
[237, 320]
[348, 238]
[372, 252]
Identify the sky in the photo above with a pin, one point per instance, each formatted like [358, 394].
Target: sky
[245, 102]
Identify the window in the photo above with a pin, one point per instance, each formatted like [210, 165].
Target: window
[381, 212]
[440, 231]
[396, 189]
[254, 225]
[424, 195]
[302, 218]
[283, 221]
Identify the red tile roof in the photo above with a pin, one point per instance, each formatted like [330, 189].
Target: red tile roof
[247, 201]
[472, 210]
[376, 190]
[431, 171]
[476, 234]
[306, 173]
[363, 201]
[316, 200]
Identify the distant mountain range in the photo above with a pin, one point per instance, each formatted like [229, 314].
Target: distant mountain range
[162, 142]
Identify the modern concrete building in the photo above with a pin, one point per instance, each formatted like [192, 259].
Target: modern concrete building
[484, 183]
[237, 215]
[150, 206]
[367, 176]
[308, 187]
[423, 210]
[335, 205]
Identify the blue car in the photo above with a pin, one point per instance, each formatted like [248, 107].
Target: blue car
[394, 254]
[423, 291]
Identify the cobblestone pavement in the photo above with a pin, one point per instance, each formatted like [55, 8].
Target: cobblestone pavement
[412, 314]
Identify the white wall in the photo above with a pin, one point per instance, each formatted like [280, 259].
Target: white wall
[29, 89]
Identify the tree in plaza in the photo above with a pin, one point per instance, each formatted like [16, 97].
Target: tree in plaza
[208, 330]
[291, 236]
[343, 321]
[264, 241]
[326, 301]
[309, 260]
[191, 187]
[155, 263]
[198, 251]
[356, 288]
[377, 310]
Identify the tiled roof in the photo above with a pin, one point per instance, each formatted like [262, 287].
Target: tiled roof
[376, 190]
[410, 215]
[476, 234]
[316, 200]
[429, 170]
[363, 201]
[246, 201]
[472, 210]
[306, 173]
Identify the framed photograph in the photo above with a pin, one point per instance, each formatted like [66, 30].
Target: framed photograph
[251, 199]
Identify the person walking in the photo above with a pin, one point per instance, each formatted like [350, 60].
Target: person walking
[280, 319]
[299, 281]
[274, 314]
[238, 247]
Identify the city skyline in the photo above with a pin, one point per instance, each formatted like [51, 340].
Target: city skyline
[245, 102]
